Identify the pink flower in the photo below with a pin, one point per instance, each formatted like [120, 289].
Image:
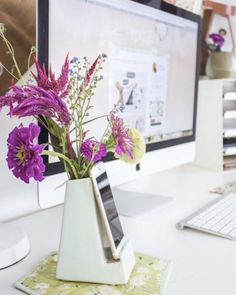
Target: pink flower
[93, 150]
[91, 71]
[48, 82]
[124, 144]
[23, 155]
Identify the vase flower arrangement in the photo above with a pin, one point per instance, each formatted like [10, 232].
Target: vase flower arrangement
[220, 63]
[62, 105]
[217, 40]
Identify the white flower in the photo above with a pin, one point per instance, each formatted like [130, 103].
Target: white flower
[137, 281]
[109, 290]
[45, 261]
[42, 288]
[64, 287]
[32, 274]
[143, 269]
[160, 265]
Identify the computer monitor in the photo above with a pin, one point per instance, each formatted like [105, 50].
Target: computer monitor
[152, 70]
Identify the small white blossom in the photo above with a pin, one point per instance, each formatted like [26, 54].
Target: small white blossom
[109, 290]
[137, 281]
[42, 288]
[160, 265]
[143, 269]
[32, 274]
[64, 287]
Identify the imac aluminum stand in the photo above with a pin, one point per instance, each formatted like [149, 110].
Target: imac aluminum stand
[132, 204]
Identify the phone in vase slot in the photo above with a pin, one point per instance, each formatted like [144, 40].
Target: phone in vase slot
[107, 208]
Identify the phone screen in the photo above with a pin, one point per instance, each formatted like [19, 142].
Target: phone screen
[110, 208]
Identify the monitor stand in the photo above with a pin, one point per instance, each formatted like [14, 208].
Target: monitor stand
[133, 204]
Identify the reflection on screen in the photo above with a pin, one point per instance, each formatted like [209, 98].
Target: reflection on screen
[110, 208]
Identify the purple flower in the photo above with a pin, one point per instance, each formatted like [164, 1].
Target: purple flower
[23, 155]
[93, 150]
[60, 86]
[124, 144]
[35, 101]
[217, 39]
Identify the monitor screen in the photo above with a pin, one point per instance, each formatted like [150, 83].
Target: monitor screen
[152, 67]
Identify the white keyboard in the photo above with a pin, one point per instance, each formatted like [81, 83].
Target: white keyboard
[217, 218]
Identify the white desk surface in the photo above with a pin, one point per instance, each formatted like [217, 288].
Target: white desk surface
[203, 264]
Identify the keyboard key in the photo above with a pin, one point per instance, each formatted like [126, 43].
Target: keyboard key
[224, 220]
[228, 227]
[233, 233]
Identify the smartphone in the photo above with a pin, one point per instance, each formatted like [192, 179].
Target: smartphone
[107, 208]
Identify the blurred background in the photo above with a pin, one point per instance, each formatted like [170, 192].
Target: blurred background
[19, 19]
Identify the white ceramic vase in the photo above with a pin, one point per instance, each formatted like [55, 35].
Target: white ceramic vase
[81, 254]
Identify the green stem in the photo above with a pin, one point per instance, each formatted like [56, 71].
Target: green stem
[91, 160]
[42, 122]
[32, 51]
[11, 50]
[65, 158]
[89, 121]
[9, 72]
[105, 132]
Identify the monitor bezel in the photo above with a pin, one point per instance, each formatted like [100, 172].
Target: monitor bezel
[43, 58]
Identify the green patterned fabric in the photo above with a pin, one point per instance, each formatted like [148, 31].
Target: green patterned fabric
[148, 278]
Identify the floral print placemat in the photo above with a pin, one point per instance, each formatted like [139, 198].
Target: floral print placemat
[149, 277]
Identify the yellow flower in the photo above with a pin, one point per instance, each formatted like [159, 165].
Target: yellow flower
[138, 149]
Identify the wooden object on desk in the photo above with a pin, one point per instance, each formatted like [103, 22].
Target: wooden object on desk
[210, 9]
[206, 23]
[220, 8]
[224, 10]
